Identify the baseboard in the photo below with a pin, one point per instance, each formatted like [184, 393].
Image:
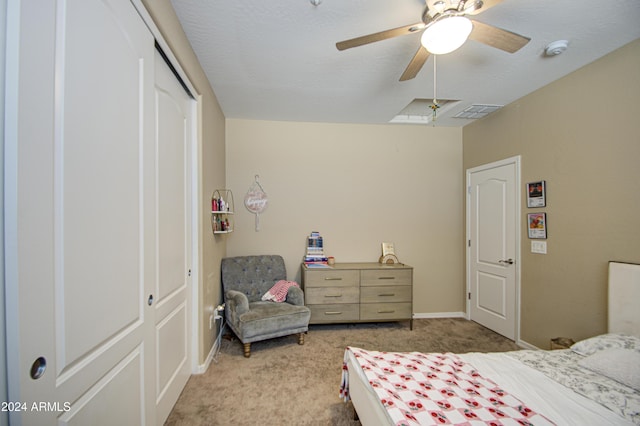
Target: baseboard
[525, 345]
[440, 315]
[202, 368]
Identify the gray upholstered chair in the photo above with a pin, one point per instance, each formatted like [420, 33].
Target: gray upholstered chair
[245, 280]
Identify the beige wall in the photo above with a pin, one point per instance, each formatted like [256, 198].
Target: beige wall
[212, 165]
[582, 135]
[358, 185]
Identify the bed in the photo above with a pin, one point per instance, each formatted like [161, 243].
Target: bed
[595, 382]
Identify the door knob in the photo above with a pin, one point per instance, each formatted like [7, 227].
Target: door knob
[506, 262]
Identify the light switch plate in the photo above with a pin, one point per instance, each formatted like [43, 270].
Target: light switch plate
[539, 247]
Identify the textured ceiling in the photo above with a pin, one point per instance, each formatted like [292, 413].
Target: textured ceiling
[277, 60]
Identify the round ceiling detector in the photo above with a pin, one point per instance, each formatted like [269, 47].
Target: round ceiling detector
[556, 47]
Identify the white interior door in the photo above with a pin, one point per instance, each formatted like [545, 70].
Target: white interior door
[81, 213]
[493, 245]
[173, 228]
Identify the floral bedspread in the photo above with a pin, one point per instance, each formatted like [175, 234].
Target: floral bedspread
[437, 389]
[562, 366]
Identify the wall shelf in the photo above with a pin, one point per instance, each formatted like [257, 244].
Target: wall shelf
[222, 208]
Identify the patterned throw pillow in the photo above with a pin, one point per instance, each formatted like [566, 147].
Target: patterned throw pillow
[606, 341]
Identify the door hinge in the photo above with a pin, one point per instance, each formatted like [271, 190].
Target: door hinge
[469, 243]
[469, 295]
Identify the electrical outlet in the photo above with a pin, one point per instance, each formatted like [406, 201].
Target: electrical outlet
[211, 317]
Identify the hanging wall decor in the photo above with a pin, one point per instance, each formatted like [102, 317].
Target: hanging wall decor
[537, 224]
[256, 200]
[536, 194]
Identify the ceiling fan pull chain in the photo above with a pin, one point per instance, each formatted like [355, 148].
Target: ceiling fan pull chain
[435, 76]
[435, 105]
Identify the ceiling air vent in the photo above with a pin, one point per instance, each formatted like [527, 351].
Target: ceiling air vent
[477, 111]
[419, 111]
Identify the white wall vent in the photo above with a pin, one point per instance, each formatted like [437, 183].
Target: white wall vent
[477, 111]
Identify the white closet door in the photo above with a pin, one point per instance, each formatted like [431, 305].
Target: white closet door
[82, 214]
[173, 228]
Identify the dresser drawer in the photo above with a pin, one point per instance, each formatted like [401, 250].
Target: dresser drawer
[389, 276]
[334, 313]
[331, 278]
[331, 295]
[386, 293]
[385, 311]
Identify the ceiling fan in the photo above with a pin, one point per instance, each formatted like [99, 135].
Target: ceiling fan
[446, 27]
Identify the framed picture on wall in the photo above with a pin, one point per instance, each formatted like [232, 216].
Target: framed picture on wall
[536, 194]
[537, 225]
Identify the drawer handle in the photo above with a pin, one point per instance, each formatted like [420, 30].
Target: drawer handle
[333, 313]
[333, 295]
[386, 312]
[332, 279]
[386, 278]
[387, 294]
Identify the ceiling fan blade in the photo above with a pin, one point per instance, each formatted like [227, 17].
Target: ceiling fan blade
[497, 37]
[382, 35]
[416, 64]
[486, 4]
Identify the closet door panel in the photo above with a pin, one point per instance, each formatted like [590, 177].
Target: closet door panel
[81, 278]
[100, 181]
[173, 224]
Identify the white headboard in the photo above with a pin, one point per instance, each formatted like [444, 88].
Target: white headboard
[624, 298]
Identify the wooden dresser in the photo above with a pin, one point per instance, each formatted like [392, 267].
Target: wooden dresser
[359, 292]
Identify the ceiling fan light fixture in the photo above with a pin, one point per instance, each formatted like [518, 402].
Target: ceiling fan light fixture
[439, 6]
[446, 34]
[470, 7]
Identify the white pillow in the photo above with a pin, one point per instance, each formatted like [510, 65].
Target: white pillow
[606, 341]
[621, 365]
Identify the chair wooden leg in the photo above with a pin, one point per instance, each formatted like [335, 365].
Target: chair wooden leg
[247, 350]
[301, 339]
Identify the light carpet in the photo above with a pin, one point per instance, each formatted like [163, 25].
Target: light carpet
[284, 383]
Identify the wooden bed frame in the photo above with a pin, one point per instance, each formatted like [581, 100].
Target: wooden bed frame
[623, 317]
